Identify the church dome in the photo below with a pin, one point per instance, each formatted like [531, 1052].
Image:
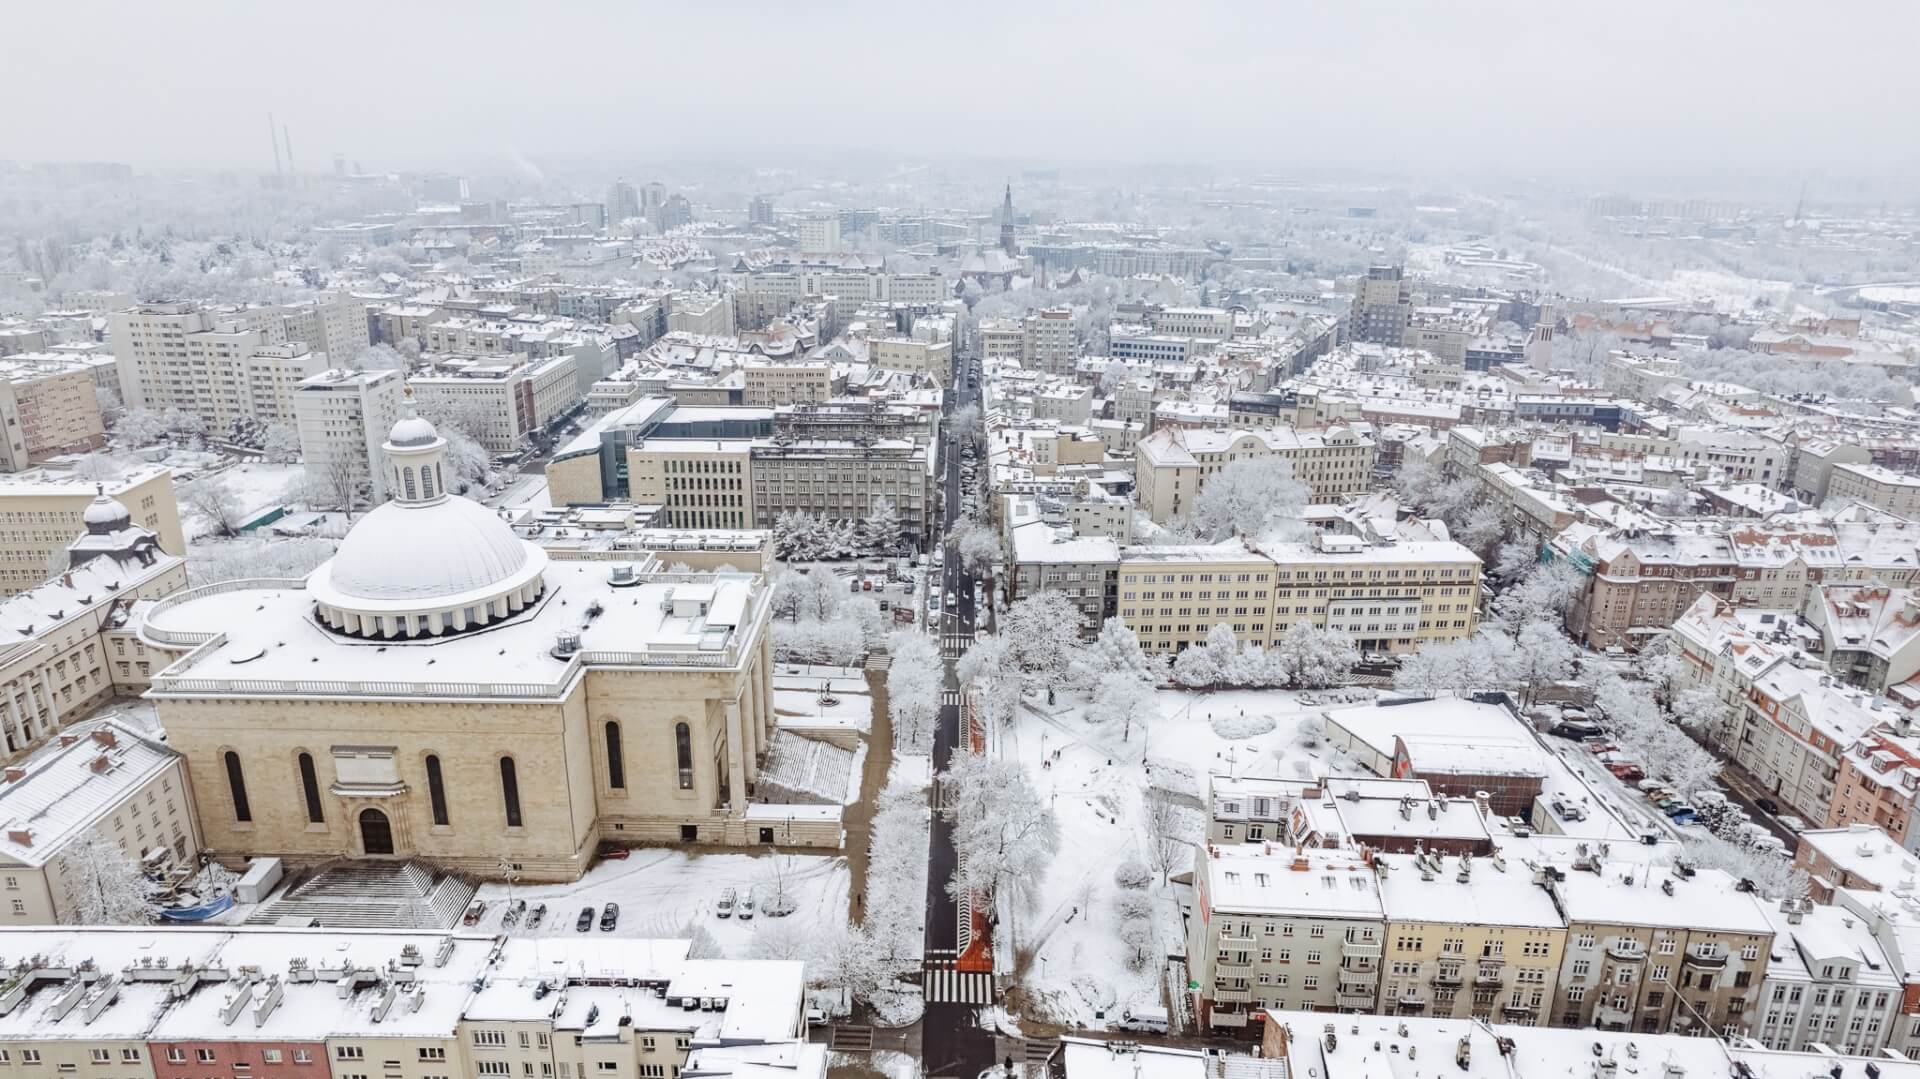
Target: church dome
[429, 562]
[413, 431]
[452, 548]
[104, 511]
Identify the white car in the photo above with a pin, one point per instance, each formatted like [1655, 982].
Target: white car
[933, 601]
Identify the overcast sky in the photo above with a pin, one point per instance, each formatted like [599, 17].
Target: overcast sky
[1542, 86]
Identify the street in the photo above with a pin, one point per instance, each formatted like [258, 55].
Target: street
[952, 1041]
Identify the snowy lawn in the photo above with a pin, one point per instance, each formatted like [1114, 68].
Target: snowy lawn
[1068, 940]
[256, 487]
[662, 892]
[840, 694]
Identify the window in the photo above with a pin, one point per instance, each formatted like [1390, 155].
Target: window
[303, 1056]
[616, 765]
[347, 1052]
[510, 791]
[205, 1056]
[432, 1052]
[176, 1056]
[489, 1037]
[270, 1056]
[97, 1056]
[237, 786]
[683, 754]
[310, 786]
[436, 790]
[607, 1065]
[495, 1067]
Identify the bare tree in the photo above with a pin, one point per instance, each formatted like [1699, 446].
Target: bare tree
[1170, 833]
[214, 500]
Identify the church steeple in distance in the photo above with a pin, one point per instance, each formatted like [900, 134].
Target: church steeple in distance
[1006, 224]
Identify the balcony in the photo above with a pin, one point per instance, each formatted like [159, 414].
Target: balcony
[1606, 1016]
[1516, 1010]
[1627, 951]
[1361, 964]
[1411, 1002]
[1486, 979]
[1232, 996]
[1233, 959]
[1362, 1001]
[1448, 978]
[1699, 956]
[1360, 949]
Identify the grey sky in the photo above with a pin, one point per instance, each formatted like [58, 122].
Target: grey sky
[1683, 85]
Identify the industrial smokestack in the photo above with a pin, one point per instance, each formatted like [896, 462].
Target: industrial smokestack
[291, 170]
[273, 132]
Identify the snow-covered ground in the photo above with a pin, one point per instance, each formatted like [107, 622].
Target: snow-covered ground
[847, 700]
[1098, 785]
[256, 485]
[662, 892]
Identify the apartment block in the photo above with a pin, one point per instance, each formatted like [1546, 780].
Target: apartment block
[343, 416]
[1382, 305]
[47, 407]
[1388, 597]
[1884, 488]
[1468, 938]
[700, 482]
[503, 399]
[102, 778]
[225, 364]
[1171, 465]
[1283, 928]
[1051, 343]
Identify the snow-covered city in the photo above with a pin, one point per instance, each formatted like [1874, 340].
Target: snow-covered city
[1055, 562]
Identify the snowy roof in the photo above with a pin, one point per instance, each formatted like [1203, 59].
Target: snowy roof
[1866, 854]
[268, 633]
[1086, 1058]
[32, 613]
[1495, 892]
[67, 784]
[1630, 893]
[1452, 718]
[1036, 541]
[1264, 879]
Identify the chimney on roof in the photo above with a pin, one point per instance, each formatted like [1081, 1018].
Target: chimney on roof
[22, 836]
[69, 739]
[16, 774]
[99, 764]
[106, 737]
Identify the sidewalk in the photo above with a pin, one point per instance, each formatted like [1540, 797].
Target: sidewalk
[857, 818]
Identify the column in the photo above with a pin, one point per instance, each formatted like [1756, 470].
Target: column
[751, 751]
[53, 704]
[20, 724]
[736, 766]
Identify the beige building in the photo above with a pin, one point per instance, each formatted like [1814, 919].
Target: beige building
[1469, 938]
[844, 479]
[700, 482]
[505, 398]
[1172, 464]
[47, 407]
[360, 713]
[41, 513]
[70, 645]
[342, 417]
[227, 364]
[931, 358]
[100, 778]
[770, 383]
[1652, 949]
[1895, 492]
[1382, 305]
[1282, 929]
[1389, 597]
[1051, 343]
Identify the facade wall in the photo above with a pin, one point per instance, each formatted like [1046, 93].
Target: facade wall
[38, 519]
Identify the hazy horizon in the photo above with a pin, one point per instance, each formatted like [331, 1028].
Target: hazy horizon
[1711, 88]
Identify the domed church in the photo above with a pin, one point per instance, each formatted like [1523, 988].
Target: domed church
[443, 689]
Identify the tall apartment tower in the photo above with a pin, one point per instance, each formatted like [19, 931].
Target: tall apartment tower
[623, 201]
[1006, 224]
[343, 417]
[1381, 305]
[1540, 344]
[760, 210]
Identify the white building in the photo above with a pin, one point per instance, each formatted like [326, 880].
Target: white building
[343, 416]
[502, 399]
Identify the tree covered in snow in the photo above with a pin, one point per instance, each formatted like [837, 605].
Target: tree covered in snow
[988, 667]
[281, 445]
[1253, 497]
[1514, 559]
[106, 884]
[1042, 633]
[137, 428]
[214, 500]
[1122, 700]
[914, 678]
[1773, 875]
[1206, 665]
[841, 641]
[467, 460]
[213, 561]
[1702, 711]
[381, 357]
[1310, 657]
[975, 544]
[880, 532]
[1542, 655]
[1170, 830]
[894, 913]
[1116, 649]
[1002, 829]
[1543, 593]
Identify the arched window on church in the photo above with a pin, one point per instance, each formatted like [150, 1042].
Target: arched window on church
[436, 791]
[616, 765]
[510, 791]
[426, 483]
[683, 754]
[237, 786]
[310, 787]
[406, 475]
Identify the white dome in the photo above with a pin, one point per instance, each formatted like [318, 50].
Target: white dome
[104, 511]
[412, 431]
[419, 554]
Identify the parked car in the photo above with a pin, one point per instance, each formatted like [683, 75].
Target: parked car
[1626, 771]
[1767, 806]
[609, 917]
[1144, 1019]
[614, 851]
[724, 908]
[1573, 730]
[512, 917]
[1792, 823]
[745, 910]
[1678, 808]
[908, 587]
[474, 913]
[853, 584]
[585, 921]
[866, 584]
[537, 915]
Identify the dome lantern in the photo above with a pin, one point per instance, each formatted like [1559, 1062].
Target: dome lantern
[415, 460]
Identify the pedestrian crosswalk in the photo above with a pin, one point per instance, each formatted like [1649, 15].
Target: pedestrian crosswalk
[957, 987]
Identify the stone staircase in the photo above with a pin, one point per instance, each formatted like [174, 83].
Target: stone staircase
[371, 895]
[804, 771]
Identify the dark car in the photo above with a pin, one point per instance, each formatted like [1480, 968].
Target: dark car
[1572, 729]
[537, 915]
[609, 917]
[585, 921]
[1768, 806]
